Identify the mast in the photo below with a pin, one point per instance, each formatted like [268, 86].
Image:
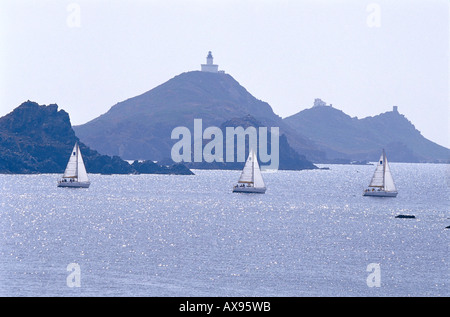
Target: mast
[253, 167]
[76, 161]
[384, 169]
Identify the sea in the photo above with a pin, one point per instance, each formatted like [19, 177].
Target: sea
[312, 234]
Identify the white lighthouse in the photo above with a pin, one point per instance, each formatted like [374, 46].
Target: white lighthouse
[210, 67]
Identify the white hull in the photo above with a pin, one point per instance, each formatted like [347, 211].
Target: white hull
[380, 193]
[74, 184]
[249, 190]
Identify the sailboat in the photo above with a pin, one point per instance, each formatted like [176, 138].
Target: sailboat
[382, 184]
[75, 174]
[251, 180]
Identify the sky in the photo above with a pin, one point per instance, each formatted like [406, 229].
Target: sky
[364, 57]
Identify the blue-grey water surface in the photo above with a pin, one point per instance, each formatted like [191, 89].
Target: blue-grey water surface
[311, 234]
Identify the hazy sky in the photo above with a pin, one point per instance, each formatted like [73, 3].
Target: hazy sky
[361, 56]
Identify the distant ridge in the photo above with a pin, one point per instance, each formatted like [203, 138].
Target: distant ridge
[140, 127]
[344, 138]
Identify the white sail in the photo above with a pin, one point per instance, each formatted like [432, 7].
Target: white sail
[75, 167]
[75, 175]
[71, 168]
[82, 174]
[388, 180]
[251, 180]
[251, 174]
[258, 181]
[378, 175]
[247, 172]
[382, 177]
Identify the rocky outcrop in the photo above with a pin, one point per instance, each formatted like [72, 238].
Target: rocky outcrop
[39, 139]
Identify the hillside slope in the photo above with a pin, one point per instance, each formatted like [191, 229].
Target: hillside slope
[343, 137]
[140, 127]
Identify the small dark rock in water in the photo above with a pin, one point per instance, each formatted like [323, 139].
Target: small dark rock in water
[405, 216]
[448, 227]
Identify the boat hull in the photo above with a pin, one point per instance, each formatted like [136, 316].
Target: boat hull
[74, 184]
[380, 193]
[249, 190]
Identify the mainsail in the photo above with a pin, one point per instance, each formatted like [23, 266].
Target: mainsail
[382, 177]
[378, 175]
[72, 165]
[247, 172]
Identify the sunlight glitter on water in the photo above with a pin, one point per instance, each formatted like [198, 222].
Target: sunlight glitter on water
[159, 235]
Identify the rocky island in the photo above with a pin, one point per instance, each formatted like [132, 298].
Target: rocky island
[38, 139]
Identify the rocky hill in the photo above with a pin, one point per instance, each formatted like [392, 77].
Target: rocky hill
[39, 139]
[344, 138]
[140, 127]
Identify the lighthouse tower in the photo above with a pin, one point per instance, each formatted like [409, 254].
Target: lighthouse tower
[210, 67]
